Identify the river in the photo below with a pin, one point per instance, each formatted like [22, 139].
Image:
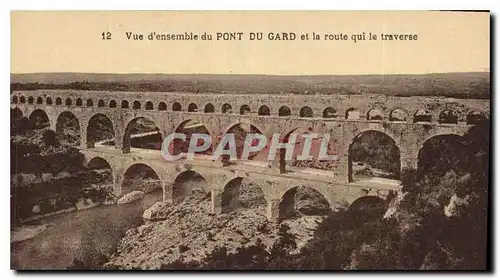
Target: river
[84, 235]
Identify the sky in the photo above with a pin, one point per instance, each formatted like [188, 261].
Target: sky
[71, 41]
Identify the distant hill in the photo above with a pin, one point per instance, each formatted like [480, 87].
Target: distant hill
[458, 85]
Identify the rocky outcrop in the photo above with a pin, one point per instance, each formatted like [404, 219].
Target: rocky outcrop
[130, 197]
[159, 211]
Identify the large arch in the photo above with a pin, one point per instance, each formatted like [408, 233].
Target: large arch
[188, 127]
[441, 153]
[100, 174]
[373, 153]
[367, 208]
[240, 193]
[264, 111]
[284, 111]
[100, 129]
[15, 114]
[142, 133]
[188, 183]
[240, 130]
[303, 201]
[39, 119]
[141, 177]
[68, 128]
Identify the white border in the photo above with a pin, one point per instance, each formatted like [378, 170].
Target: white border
[208, 5]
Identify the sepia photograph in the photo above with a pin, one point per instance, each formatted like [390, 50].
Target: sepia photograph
[250, 140]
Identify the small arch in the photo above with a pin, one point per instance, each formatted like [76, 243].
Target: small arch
[475, 117]
[14, 99]
[209, 108]
[149, 105]
[124, 104]
[31, 100]
[162, 106]
[90, 103]
[141, 177]
[306, 112]
[68, 101]
[422, 116]
[448, 116]
[48, 101]
[397, 115]
[101, 103]
[226, 109]
[176, 107]
[303, 201]
[245, 109]
[136, 105]
[112, 104]
[284, 111]
[352, 114]
[58, 101]
[329, 113]
[22, 99]
[192, 107]
[39, 100]
[187, 183]
[264, 111]
[374, 115]
[79, 102]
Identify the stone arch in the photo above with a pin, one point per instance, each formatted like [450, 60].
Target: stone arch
[140, 176]
[176, 107]
[79, 102]
[22, 99]
[475, 117]
[136, 105]
[112, 104]
[386, 153]
[14, 99]
[397, 115]
[145, 133]
[68, 128]
[352, 114]
[303, 200]
[284, 111]
[100, 128]
[188, 127]
[422, 116]
[58, 101]
[39, 119]
[226, 108]
[15, 113]
[162, 106]
[209, 108]
[374, 114]
[240, 130]
[244, 109]
[149, 105]
[39, 100]
[90, 103]
[306, 112]
[264, 110]
[48, 101]
[68, 101]
[100, 173]
[448, 116]
[124, 104]
[329, 113]
[367, 208]
[443, 152]
[101, 103]
[31, 100]
[241, 193]
[187, 183]
[192, 107]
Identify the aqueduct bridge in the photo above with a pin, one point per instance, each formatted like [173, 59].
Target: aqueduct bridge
[409, 121]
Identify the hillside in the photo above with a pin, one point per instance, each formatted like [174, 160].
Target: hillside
[458, 85]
